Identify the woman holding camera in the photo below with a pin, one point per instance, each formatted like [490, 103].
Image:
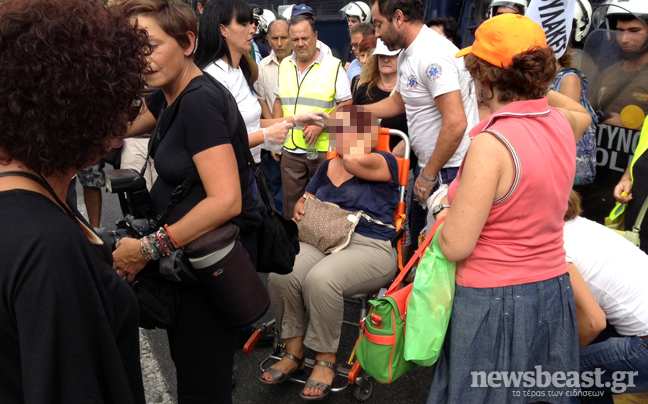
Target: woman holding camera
[203, 135]
[202, 347]
[68, 323]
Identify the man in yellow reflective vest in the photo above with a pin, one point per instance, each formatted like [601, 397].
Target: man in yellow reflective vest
[309, 80]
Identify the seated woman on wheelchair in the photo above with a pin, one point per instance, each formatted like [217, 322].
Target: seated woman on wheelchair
[361, 179]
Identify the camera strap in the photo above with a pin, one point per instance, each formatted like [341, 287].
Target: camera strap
[43, 183]
[76, 216]
[168, 114]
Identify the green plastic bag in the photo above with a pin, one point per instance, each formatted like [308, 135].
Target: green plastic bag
[429, 306]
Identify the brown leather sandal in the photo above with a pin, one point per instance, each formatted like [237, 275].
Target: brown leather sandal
[326, 388]
[278, 376]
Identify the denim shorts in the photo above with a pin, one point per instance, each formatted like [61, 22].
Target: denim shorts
[505, 330]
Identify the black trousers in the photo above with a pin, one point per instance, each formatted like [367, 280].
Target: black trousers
[202, 349]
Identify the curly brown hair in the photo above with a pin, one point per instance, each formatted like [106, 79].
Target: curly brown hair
[70, 76]
[526, 78]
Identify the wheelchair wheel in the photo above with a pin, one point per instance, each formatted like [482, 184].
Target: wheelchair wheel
[362, 391]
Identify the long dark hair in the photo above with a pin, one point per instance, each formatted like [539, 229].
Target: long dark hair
[211, 44]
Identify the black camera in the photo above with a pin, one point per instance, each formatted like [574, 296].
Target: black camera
[135, 203]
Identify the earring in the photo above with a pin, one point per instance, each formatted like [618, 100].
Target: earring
[481, 96]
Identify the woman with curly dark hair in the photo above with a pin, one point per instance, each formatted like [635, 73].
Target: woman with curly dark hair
[513, 309]
[69, 75]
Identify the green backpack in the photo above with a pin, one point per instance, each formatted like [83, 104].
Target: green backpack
[380, 349]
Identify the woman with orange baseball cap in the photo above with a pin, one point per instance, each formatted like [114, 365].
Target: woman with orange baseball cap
[514, 306]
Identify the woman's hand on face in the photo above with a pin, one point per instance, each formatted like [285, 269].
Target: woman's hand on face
[315, 118]
[622, 191]
[128, 258]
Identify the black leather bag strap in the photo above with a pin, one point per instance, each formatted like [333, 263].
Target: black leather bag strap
[164, 122]
[166, 117]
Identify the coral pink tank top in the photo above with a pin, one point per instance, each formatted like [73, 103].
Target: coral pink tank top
[522, 240]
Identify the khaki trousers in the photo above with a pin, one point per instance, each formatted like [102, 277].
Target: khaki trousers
[319, 283]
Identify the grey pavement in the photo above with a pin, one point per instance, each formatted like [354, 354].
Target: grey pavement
[159, 372]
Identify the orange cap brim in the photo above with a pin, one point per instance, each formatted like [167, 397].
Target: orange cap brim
[464, 52]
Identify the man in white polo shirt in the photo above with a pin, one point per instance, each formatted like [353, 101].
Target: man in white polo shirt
[435, 91]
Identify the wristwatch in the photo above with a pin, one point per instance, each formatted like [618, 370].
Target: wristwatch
[437, 209]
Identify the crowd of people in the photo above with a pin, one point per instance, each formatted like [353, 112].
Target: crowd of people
[501, 132]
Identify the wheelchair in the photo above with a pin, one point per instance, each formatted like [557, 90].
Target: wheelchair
[350, 373]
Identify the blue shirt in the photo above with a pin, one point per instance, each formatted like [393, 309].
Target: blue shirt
[377, 199]
[354, 69]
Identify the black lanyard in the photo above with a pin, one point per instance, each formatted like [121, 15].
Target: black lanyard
[41, 181]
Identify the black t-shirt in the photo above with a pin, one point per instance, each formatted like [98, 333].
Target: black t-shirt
[68, 324]
[639, 195]
[399, 122]
[201, 122]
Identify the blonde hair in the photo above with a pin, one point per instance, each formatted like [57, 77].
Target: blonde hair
[370, 74]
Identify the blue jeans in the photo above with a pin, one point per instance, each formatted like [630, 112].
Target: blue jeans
[419, 214]
[624, 354]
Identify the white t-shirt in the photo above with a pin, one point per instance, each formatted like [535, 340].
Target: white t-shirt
[427, 69]
[248, 104]
[616, 272]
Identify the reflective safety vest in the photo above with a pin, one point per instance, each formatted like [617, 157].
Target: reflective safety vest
[315, 93]
[642, 147]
